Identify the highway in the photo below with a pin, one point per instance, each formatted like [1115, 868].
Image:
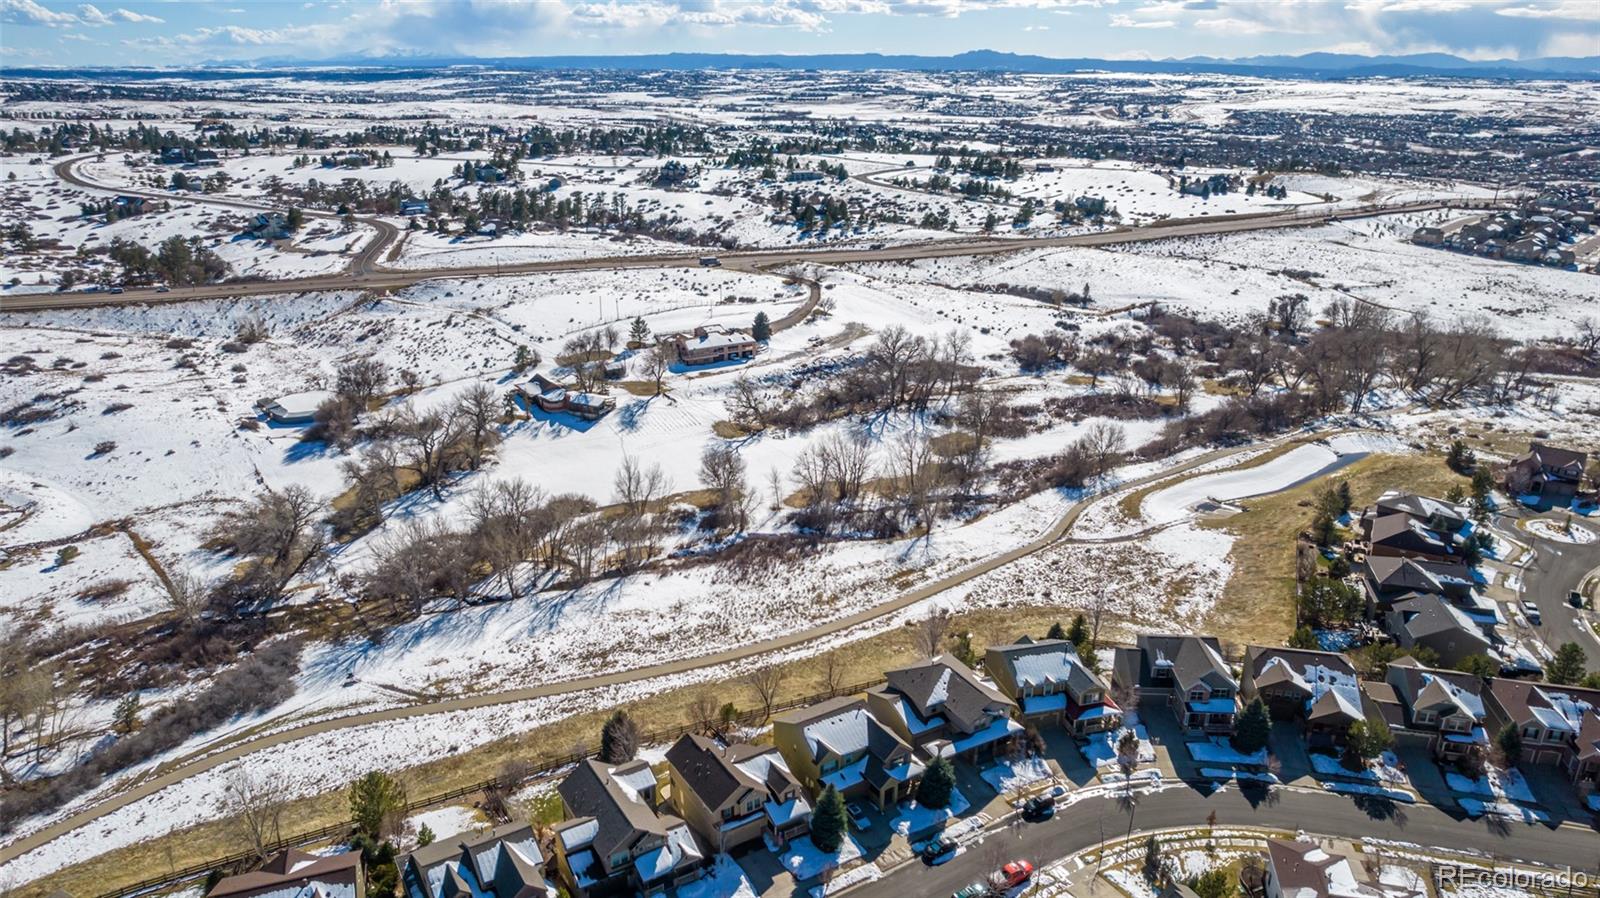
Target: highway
[366, 271]
[1079, 826]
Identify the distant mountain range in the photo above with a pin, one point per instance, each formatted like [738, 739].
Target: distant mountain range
[1310, 65]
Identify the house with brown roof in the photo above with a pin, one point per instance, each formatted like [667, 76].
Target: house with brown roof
[734, 795]
[1319, 689]
[558, 396]
[1304, 869]
[1386, 579]
[1559, 725]
[293, 873]
[1399, 534]
[1446, 704]
[1050, 683]
[503, 862]
[614, 839]
[709, 344]
[1185, 673]
[841, 743]
[942, 708]
[1545, 476]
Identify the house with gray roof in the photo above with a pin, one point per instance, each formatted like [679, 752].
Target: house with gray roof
[1319, 689]
[1446, 704]
[841, 743]
[1050, 683]
[1402, 535]
[503, 862]
[1386, 578]
[614, 840]
[1185, 673]
[734, 795]
[293, 873]
[1428, 620]
[942, 708]
[1304, 869]
[1545, 476]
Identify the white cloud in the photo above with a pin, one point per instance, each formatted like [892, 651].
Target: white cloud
[1577, 10]
[1123, 21]
[1572, 44]
[27, 12]
[128, 15]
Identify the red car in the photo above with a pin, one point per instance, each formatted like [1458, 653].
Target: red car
[1013, 874]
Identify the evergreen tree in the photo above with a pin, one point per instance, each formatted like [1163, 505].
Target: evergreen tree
[125, 719]
[1303, 638]
[1510, 742]
[1478, 666]
[761, 331]
[1567, 667]
[295, 218]
[377, 805]
[425, 835]
[1152, 861]
[829, 820]
[938, 782]
[1056, 631]
[639, 332]
[1213, 883]
[619, 738]
[1078, 634]
[1254, 727]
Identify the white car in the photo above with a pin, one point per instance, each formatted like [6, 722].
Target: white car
[1531, 611]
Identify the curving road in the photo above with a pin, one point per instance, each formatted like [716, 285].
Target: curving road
[467, 702]
[367, 273]
[1078, 827]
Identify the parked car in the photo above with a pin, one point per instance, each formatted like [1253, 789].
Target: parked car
[1012, 875]
[1039, 807]
[116, 289]
[163, 289]
[710, 261]
[975, 890]
[939, 849]
[1531, 611]
[858, 816]
[1575, 599]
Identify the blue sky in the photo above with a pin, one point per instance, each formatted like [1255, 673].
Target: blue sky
[48, 32]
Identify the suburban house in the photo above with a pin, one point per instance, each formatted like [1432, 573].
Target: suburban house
[1049, 682]
[713, 343]
[1401, 535]
[840, 743]
[1430, 621]
[736, 795]
[1437, 514]
[614, 840]
[943, 709]
[1446, 703]
[1319, 689]
[1549, 476]
[414, 207]
[1560, 725]
[293, 872]
[1304, 869]
[1187, 674]
[555, 396]
[1387, 579]
[295, 408]
[504, 862]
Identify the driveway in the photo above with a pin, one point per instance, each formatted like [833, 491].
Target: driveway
[1168, 738]
[1426, 777]
[1556, 794]
[1287, 743]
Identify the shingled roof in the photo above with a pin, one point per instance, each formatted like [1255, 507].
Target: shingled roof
[291, 871]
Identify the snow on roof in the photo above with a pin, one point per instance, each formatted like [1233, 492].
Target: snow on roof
[1471, 705]
[1001, 728]
[846, 776]
[1319, 680]
[580, 834]
[300, 405]
[1041, 704]
[784, 813]
[634, 781]
[841, 733]
[714, 340]
[941, 689]
[680, 845]
[1045, 668]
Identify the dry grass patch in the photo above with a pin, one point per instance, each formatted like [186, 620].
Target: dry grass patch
[1257, 603]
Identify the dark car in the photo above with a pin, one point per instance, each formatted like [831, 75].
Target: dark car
[1575, 599]
[939, 849]
[975, 890]
[1039, 807]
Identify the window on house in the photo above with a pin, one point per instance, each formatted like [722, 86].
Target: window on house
[1425, 717]
[1532, 732]
[1197, 695]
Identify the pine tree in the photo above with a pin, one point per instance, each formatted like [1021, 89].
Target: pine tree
[761, 331]
[1567, 667]
[828, 822]
[938, 782]
[377, 803]
[1254, 727]
[619, 738]
[125, 719]
[1056, 631]
[1152, 861]
[1303, 638]
[1510, 742]
[639, 332]
[1078, 635]
[425, 835]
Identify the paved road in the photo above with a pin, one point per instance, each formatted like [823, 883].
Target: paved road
[1557, 568]
[366, 272]
[1079, 826]
[488, 699]
[364, 262]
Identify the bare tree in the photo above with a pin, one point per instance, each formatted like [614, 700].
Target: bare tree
[703, 711]
[765, 682]
[187, 596]
[1103, 444]
[832, 673]
[746, 405]
[722, 470]
[432, 439]
[254, 802]
[361, 381]
[281, 532]
[915, 475]
[929, 632]
[476, 411]
[656, 366]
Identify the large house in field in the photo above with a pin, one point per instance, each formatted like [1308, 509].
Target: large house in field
[712, 343]
[614, 840]
[1050, 683]
[504, 862]
[554, 396]
[942, 708]
[1187, 674]
[736, 795]
[293, 873]
[1546, 476]
[1448, 704]
[1319, 689]
[840, 743]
